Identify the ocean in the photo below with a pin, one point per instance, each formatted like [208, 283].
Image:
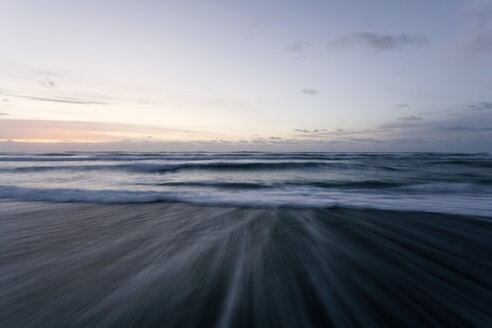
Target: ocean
[245, 239]
[434, 182]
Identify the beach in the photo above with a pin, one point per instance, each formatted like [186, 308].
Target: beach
[183, 265]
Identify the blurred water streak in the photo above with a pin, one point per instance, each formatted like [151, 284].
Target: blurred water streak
[177, 265]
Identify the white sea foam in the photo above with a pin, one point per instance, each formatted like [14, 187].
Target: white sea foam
[282, 197]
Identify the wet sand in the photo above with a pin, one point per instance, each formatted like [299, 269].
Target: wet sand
[178, 265]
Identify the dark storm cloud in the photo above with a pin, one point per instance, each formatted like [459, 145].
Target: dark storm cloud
[310, 91]
[381, 42]
[410, 118]
[479, 106]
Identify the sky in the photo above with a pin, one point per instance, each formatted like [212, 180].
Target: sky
[148, 75]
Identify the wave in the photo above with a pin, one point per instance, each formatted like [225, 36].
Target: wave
[369, 184]
[472, 163]
[175, 166]
[439, 158]
[300, 197]
[163, 168]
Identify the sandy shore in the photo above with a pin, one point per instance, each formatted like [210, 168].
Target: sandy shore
[169, 265]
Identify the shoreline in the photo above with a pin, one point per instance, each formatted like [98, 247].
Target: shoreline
[46, 203]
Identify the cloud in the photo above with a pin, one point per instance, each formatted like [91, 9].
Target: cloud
[458, 131]
[479, 106]
[318, 132]
[438, 135]
[457, 128]
[66, 100]
[297, 48]
[410, 118]
[306, 130]
[476, 38]
[380, 42]
[48, 83]
[4, 114]
[402, 106]
[367, 140]
[5, 100]
[465, 129]
[310, 91]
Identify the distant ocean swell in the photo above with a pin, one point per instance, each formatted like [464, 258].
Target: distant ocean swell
[162, 168]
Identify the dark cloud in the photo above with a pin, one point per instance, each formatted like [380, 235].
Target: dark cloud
[465, 129]
[367, 140]
[297, 48]
[5, 100]
[310, 91]
[402, 106]
[303, 130]
[4, 114]
[479, 106]
[276, 138]
[48, 83]
[410, 118]
[457, 128]
[380, 42]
